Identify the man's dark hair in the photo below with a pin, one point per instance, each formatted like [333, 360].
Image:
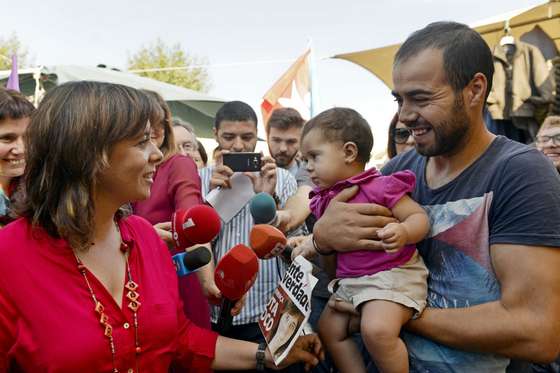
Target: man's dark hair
[465, 53]
[285, 118]
[235, 111]
[343, 125]
[14, 105]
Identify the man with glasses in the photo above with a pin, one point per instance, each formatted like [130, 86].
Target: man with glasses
[185, 139]
[548, 140]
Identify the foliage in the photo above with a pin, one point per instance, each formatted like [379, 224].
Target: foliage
[158, 55]
[10, 46]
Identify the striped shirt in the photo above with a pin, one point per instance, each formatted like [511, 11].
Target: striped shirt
[235, 232]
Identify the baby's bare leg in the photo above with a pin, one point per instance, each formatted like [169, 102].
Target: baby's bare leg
[380, 326]
[333, 330]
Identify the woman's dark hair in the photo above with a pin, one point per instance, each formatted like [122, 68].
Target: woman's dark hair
[68, 144]
[160, 118]
[344, 125]
[202, 152]
[14, 105]
[391, 145]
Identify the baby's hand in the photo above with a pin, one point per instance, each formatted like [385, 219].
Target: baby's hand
[394, 236]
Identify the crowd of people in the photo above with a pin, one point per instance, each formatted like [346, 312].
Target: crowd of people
[443, 260]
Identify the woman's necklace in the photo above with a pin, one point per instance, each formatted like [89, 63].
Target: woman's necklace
[133, 304]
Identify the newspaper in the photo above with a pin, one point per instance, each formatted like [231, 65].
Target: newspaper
[229, 201]
[288, 309]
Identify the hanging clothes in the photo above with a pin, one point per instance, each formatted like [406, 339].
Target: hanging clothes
[521, 86]
[555, 109]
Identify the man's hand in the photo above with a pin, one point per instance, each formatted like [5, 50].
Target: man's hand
[265, 181]
[351, 226]
[164, 232]
[283, 219]
[302, 245]
[344, 307]
[211, 291]
[214, 296]
[307, 349]
[220, 174]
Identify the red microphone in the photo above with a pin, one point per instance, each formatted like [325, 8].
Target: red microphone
[268, 241]
[197, 225]
[235, 274]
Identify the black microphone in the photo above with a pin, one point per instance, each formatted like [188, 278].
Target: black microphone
[286, 254]
[188, 262]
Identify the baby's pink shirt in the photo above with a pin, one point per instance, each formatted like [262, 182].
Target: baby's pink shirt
[374, 188]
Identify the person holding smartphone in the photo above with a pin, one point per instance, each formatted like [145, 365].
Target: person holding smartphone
[235, 130]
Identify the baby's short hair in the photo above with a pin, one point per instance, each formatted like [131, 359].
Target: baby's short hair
[344, 125]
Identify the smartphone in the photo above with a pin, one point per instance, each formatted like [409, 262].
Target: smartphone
[243, 162]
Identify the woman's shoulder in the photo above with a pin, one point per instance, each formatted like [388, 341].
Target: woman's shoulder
[21, 242]
[15, 233]
[136, 229]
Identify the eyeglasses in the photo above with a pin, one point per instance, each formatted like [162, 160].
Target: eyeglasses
[401, 135]
[544, 139]
[187, 146]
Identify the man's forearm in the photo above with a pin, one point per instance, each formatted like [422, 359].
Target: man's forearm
[297, 207]
[206, 274]
[489, 328]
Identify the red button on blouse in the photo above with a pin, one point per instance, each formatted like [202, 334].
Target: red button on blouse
[47, 317]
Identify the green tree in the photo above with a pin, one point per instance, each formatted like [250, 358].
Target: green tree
[9, 46]
[158, 55]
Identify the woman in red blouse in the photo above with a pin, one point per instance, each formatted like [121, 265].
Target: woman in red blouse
[176, 186]
[85, 288]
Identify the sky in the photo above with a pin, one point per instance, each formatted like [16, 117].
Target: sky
[254, 39]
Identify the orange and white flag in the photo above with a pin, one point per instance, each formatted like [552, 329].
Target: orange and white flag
[293, 90]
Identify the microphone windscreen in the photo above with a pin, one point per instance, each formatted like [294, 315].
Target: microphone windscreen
[236, 272]
[197, 258]
[197, 225]
[265, 238]
[262, 208]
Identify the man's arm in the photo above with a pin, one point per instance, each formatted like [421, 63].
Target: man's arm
[523, 324]
[296, 210]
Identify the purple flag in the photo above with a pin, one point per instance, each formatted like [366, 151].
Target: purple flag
[13, 80]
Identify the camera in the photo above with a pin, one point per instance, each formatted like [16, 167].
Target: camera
[243, 162]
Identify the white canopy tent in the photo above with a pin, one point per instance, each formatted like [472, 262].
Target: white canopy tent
[191, 106]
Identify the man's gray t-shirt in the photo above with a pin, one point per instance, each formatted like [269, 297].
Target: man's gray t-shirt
[302, 177]
[510, 195]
